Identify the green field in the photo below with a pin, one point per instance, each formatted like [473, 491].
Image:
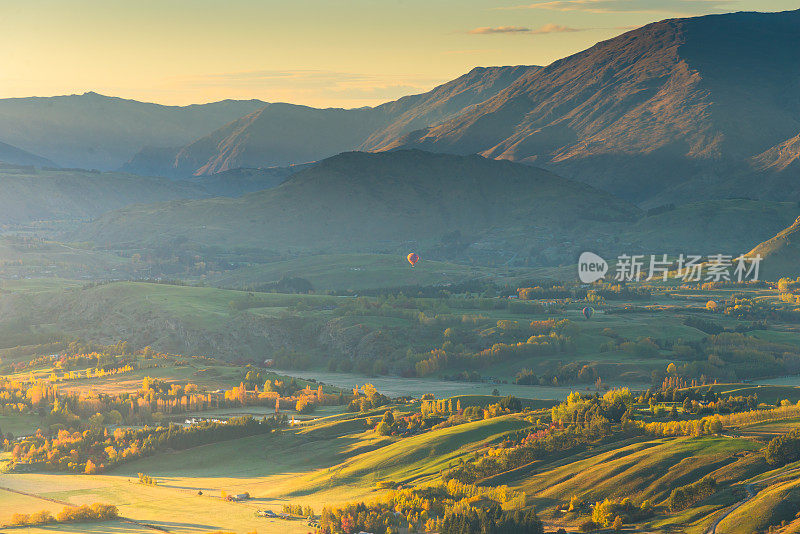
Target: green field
[355, 272]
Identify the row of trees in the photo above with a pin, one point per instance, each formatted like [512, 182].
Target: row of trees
[97, 449]
[491, 520]
[70, 514]
[443, 508]
[434, 414]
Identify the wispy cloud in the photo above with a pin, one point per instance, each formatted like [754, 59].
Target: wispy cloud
[499, 29]
[547, 28]
[629, 6]
[556, 28]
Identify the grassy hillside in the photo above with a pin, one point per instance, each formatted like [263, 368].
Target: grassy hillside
[645, 469]
[781, 253]
[711, 227]
[176, 318]
[776, 503]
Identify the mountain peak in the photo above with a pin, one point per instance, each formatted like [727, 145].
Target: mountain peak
[670, 102]
[284, 134]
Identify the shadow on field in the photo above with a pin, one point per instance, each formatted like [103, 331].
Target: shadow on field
[170, 525]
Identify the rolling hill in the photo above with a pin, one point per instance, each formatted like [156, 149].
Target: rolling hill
[284, 134]
[376, 202]
[448, 207]
[93, 131]
[654, 115]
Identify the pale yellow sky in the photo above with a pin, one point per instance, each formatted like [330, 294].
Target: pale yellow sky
[343, 53]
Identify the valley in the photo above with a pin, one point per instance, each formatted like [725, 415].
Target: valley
[334, 300]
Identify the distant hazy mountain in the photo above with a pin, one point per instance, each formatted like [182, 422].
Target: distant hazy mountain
[278, 135]
[283, 134]
[359, 201]
[15, 156]
[31, 194]
[659, 113]
[237, 182]
[95, 131]
[28, 194]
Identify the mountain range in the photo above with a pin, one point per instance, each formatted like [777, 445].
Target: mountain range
[283, 134]
[653, 115]
[93, 131]
[682, 136]
[657, 114]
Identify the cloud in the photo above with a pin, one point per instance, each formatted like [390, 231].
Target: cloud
[499, 29]
[556, 28]
[547, 28]
[629, 6]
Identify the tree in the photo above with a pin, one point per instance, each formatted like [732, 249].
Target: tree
[784, 449]
[574, 502]
[511, 403]
[91, 468]
[388, 418]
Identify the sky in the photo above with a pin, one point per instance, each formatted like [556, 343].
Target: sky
[324, 53]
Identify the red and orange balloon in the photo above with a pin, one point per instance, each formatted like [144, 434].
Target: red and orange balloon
[413, 258]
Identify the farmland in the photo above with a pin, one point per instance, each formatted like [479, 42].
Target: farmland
[166, 360]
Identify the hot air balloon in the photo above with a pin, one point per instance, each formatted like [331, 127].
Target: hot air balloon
[588, 311]
[413, 258]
